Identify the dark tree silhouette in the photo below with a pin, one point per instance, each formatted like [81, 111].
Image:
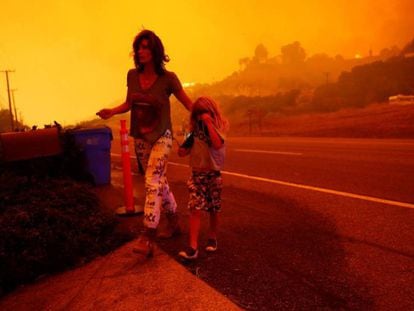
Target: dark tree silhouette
[293, 53]
[366, 84]
[409, 48]
[260, 53]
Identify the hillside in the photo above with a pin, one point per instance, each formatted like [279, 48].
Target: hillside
[375, 121]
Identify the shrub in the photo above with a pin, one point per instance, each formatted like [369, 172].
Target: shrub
[48, 225]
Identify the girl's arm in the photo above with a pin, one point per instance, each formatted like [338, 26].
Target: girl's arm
[186, 146]
[182, 96]
[215, 138]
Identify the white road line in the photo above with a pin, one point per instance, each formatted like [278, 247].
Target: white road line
[335, 192]
[268, 152]
[300, 186]
[323, 190]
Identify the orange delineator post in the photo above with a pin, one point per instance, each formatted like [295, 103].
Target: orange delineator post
[129, 208]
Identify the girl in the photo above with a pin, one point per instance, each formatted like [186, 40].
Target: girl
[150, 86]
[207, 150]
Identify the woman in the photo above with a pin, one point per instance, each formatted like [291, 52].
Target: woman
[149, 88]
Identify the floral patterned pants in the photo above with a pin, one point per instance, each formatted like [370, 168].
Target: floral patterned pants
[153, 159]
[205, 191]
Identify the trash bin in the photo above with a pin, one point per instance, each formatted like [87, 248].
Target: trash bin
[95, 145]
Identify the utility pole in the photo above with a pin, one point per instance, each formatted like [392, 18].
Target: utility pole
[8, 94]
[14, 106]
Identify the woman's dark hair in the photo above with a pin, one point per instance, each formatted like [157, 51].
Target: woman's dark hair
[157, 50]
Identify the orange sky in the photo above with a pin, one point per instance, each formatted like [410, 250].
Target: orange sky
[71, 57]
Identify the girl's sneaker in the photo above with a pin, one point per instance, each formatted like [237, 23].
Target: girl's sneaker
[189, 254]
[211, 245]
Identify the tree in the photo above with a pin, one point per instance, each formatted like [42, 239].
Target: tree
[408, 48]
[389, 52]
[293, 53]
[260, 53]
[244, 62]
[4, 120]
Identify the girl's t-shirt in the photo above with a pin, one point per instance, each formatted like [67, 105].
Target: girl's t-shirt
[203, 155]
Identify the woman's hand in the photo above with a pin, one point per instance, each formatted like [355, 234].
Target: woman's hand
[105, 113]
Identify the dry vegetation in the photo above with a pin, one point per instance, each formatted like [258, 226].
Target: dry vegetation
[375, 121]
[50, 220]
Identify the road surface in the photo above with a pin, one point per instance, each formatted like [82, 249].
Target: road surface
[310, 224]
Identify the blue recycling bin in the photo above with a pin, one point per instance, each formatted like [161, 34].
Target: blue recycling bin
[95, 145]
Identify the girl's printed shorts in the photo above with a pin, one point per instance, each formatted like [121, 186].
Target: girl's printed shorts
[205, 191]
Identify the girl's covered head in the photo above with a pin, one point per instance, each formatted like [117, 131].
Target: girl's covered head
[206, 104]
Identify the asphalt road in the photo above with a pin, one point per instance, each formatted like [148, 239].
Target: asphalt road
[310, 224]
[379, 168]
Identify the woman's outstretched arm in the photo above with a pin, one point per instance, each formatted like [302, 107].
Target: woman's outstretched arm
[106, 113]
